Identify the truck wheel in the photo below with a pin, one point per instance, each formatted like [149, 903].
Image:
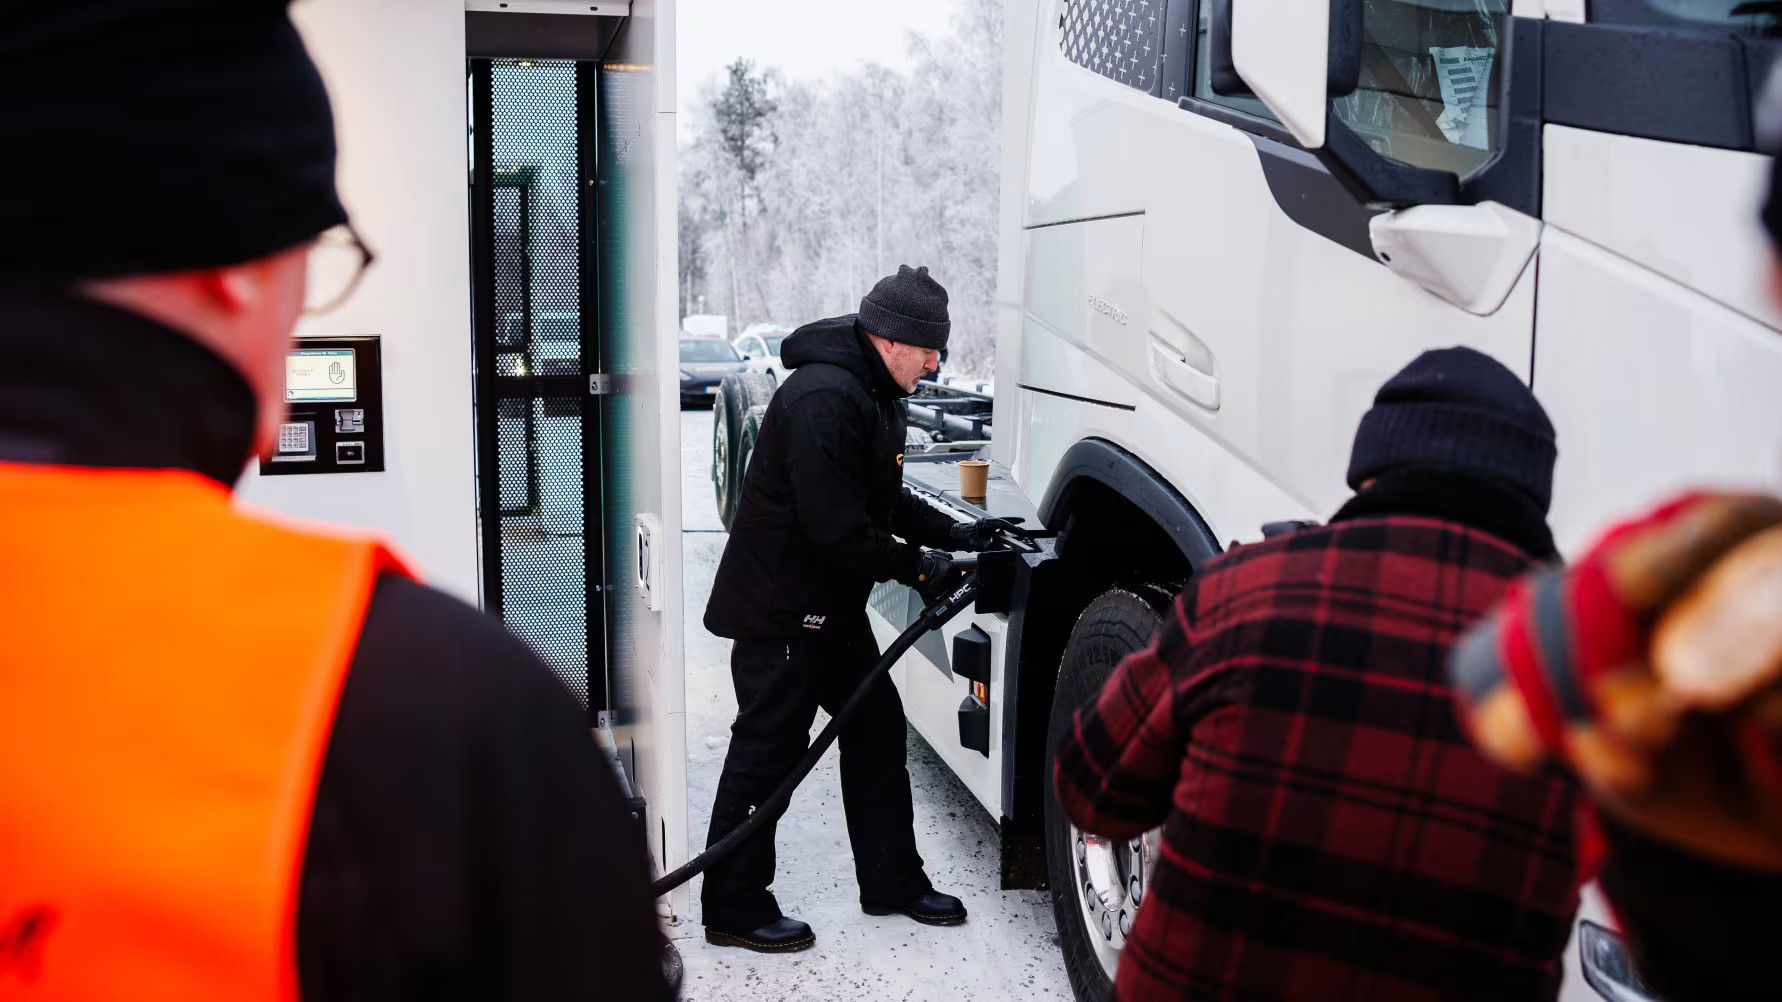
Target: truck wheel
[737, 395]
[757, 390]
[1097, 884]
[721, 458]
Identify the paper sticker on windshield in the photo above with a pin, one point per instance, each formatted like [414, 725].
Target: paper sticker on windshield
[1465, 75]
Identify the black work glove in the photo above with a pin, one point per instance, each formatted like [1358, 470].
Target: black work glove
[936, 575]
[980, 535]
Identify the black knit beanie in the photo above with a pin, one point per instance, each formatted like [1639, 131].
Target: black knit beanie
[909, 307]
[1458, 411]
[159, 135]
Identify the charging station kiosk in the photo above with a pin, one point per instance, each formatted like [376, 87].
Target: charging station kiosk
[573, 249]
[334, 389]
[524, 437]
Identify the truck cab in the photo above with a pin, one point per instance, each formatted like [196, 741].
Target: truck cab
[1226, 222]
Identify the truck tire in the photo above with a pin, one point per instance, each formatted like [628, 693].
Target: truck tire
[721, 458]
[737, 395]
[1097, 884]
[751, 434]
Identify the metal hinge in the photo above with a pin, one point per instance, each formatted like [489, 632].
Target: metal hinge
[600, 384]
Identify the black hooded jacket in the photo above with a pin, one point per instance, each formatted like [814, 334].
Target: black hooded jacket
[823, 499]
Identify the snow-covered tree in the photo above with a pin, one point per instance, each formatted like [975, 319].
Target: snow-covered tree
[797, 196]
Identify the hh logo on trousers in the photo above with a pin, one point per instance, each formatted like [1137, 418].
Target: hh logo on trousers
[814, 622]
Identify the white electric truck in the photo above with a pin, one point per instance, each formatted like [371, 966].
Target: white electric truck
[1226, 222]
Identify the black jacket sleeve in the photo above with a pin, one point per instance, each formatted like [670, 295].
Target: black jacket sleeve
[1699, 929]
[920, 522]
[827, 452]
[468, 840]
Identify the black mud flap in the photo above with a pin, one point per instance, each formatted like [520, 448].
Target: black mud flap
[974, 725]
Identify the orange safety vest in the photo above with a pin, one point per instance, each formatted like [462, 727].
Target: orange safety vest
[169, 669]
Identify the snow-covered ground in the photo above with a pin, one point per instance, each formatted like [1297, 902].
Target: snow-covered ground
[1007, 949]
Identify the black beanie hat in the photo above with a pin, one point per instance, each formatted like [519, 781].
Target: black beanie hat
[1459, 411]
[159, 135]
[909, 307]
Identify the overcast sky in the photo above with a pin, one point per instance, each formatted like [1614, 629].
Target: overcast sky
[806, 39]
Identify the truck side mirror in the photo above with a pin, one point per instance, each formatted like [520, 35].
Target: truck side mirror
[1462, 244]
[1293, 54]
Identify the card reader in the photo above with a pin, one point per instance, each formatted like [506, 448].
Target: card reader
[334, 392]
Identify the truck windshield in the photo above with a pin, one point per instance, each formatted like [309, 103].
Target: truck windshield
[712, 350]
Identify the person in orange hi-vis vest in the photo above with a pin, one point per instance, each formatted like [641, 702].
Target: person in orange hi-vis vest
[241, 759]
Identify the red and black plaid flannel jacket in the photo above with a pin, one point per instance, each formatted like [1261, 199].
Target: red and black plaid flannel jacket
[1329, 833]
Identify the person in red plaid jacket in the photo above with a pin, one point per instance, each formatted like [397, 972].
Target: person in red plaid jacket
[1328, 830]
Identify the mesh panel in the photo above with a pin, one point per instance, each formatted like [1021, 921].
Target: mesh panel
[535, 233]
[626, 216]
[510, 278]
[537, 217]
[514, 455]
[543, 580]
[1120, 39]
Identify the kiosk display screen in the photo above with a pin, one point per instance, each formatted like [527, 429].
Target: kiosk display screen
[321, 375]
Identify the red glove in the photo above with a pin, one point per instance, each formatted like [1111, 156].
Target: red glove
[1653, 670]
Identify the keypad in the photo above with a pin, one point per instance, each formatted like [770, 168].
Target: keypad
[293, 437]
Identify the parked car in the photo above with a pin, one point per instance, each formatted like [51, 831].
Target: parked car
[705, 361]
[760, 348]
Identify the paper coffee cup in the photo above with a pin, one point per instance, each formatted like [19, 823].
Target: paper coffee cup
[974, 478]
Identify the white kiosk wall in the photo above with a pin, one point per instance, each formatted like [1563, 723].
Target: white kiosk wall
[395, 74]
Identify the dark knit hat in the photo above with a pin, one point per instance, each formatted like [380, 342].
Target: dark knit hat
[909, 307]
[1458, 411]
[159, 135]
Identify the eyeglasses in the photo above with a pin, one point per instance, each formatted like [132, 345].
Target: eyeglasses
[338, 261]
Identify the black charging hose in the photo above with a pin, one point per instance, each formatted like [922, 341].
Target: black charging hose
[933, 618]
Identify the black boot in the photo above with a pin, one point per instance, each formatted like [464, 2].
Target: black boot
[933, 908]
[782, 935]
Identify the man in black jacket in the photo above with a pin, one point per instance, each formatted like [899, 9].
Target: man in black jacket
[465, 839]
[822, 505]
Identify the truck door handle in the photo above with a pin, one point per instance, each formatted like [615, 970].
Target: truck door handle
[1182, 376]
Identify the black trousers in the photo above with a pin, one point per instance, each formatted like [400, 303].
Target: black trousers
[779, 685]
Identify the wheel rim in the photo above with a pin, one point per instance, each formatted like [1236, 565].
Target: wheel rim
[1112, 878]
